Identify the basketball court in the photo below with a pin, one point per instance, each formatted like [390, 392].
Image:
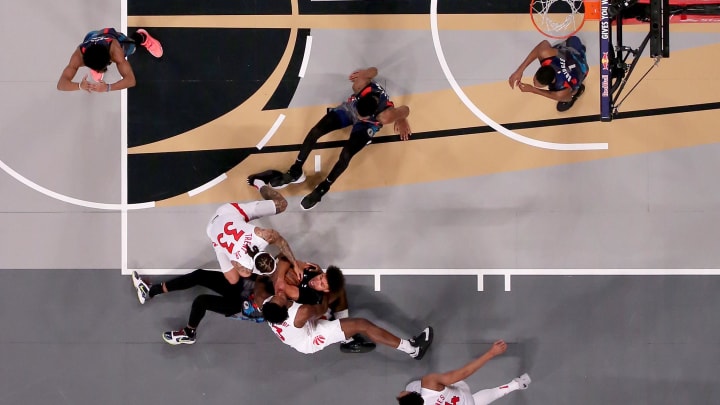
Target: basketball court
[585, 239]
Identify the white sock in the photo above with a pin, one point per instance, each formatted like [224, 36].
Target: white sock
[489, 395]
[258, 183]
[406, 347]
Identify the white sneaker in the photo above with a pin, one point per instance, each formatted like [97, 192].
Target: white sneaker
[178, 337]
[143, 291]
[524, 381]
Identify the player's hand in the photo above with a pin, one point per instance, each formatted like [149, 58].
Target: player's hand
[515, 78]
[402, 127]
[84, 84]
[526, 88]
[99, 87]
[498, 348]
[298, 270]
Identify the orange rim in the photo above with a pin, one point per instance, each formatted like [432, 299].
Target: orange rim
[592, 13]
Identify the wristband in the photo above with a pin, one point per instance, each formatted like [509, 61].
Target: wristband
[79, 85]
[108, 88]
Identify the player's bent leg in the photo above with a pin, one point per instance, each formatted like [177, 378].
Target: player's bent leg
[359, 138]
[332, 121]
[353, 326]
[416, 347]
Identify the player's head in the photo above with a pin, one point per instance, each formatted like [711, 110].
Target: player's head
[96, 57]
[265, 263]
[332, 280]
[335, 279]
[367, 104]
[410, 398]
[275, 310]
[544, 76]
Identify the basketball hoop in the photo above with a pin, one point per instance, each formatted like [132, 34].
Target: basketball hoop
[560, 19]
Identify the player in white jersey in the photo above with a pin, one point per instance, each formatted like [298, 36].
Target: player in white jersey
[239, 245]
[301, 326]
[450, 389]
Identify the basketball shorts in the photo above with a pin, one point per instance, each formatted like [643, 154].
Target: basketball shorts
[323, 334]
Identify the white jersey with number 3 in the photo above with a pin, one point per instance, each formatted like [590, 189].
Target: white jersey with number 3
[230, 232]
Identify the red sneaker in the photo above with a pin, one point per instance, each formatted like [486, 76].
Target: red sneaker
[151, 44]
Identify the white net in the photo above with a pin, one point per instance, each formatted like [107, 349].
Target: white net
[558, 18]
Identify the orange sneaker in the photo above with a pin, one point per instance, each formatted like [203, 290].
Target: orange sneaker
[151, 44]
[97, 76]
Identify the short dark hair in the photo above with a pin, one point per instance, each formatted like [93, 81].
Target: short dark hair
[412, 398]
[96, 57]
[335, 279]
[367, 105]
[264, 262]
[274, 313]
[545, 75]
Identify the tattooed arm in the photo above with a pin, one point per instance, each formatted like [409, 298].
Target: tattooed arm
[269, 193]
[273, 237]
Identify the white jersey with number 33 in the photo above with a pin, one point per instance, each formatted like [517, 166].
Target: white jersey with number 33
[230, 232]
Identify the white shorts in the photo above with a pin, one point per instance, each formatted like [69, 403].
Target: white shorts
[245, 211]
[323, 334]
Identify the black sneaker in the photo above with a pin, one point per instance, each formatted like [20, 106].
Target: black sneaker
[313, 198]
[294, 175]
[267, 177]
[422, 342]
[358, 344]
[178, 337]
[566, 105]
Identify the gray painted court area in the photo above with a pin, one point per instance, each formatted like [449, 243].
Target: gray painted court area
[74, 333]
[80, 336]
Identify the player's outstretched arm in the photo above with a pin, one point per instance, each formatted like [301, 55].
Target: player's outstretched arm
[541, 51]
[437, 382]
[362, 77]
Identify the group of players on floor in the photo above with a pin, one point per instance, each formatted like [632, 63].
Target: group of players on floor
[305, 306]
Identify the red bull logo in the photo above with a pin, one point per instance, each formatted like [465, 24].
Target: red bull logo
[605, 61]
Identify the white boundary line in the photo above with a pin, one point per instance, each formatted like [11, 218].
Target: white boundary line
[480, 273]
[475, 110]
[123, 160]
[71, 200]
[318, 163]
[306, 57]
[271, 132]
[210, 184]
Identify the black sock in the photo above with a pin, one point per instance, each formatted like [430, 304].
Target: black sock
[189, 331]
[155, 289]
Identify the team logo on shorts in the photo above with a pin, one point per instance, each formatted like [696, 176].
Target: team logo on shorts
[318, 340]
